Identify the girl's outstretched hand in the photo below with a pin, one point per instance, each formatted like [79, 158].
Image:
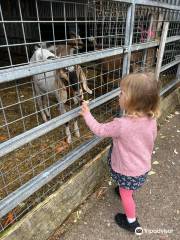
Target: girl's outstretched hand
[84, 108]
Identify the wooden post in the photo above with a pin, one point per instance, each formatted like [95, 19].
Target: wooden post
[161, 49]
[159, 25]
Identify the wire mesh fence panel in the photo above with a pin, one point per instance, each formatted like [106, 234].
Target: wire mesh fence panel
[147, 25]
[83, 25]
[171, 53]
[174, 29]
[167, 76]
[40, 98]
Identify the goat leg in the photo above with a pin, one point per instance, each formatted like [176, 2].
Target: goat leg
[76, 129]
[68, 133]
[63, 110]
[45, 106]
[40, 103]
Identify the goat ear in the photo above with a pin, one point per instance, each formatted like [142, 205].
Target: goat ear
[36, 47]
[84, 81]
[44, 45]
[63, 74]
[72, 35]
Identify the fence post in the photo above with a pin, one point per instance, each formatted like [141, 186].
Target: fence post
[128, 39]
[161, 49]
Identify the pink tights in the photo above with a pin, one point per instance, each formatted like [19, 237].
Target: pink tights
[128, 202]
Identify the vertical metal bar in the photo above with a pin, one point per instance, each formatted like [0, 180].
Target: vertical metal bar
[39, 29]
[76, 27]
[103, 18]
[85, 13]
[20, 106]
[128, 38]
[161, 49]
[53, 32]
[22, 25]
[95, 26]
[34, 100]
[148, 38]
[109, 27]
[65, 25]
[5, 119]
[116, 26]
[5, 35]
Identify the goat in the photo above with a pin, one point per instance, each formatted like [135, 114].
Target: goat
[76, 74]
[52, 82]
[49, 82]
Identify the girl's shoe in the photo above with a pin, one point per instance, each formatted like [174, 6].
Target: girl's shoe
[122, 222]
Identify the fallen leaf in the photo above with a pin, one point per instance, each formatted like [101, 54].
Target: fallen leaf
[177, 113]
[78, 216]
[155, 162]
[109, 183]
[175, 151]
[163, 136]
[151, 173]
[61, 146]
[101, 192]
[178, 131]
[2, 138]
[9, 219]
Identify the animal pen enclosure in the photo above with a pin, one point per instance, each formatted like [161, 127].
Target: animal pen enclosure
[55, 53]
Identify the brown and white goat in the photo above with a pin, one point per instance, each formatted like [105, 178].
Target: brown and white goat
[53, 82]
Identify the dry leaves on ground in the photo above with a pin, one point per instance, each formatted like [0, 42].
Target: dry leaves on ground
[62, 145]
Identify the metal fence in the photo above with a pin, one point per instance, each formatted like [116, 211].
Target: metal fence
[54, 54]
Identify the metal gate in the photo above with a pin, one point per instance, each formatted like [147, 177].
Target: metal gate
[98, 42]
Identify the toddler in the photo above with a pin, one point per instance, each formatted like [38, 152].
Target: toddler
[133, 138]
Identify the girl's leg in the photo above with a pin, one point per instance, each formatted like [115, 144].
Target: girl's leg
[128, 202]
[128, 220]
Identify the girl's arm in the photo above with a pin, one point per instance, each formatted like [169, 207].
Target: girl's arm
[111, 129]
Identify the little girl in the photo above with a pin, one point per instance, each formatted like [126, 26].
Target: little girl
[133, 138]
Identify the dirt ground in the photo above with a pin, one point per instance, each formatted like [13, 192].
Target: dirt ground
[157, 201]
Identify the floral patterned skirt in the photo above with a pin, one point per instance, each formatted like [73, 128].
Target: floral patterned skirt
[128, 182]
